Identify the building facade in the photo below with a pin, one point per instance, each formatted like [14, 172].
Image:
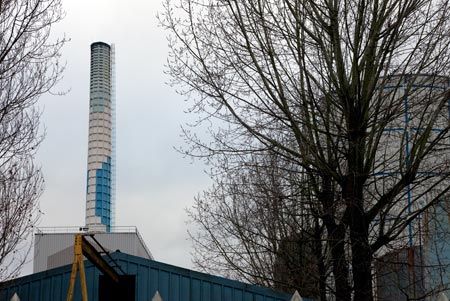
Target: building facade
[151, 279]
[100, 196]
[53, 247]
[414, 266]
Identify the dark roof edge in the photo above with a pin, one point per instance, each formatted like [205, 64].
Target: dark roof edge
[100, 43]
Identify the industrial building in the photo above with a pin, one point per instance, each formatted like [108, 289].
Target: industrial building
[53, 247]
[416, 265]
[148, 279]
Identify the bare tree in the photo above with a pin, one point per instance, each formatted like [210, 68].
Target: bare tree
[258, 226]
[28, 68]
[338, 88]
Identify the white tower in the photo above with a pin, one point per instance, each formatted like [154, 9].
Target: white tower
[101, 160]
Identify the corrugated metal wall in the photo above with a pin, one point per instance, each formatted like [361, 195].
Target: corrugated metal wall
[173, 284]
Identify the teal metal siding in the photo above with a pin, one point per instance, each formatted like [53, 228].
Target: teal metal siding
[51, 285]
[173, 284]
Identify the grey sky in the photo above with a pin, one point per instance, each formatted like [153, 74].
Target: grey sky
[154, 183]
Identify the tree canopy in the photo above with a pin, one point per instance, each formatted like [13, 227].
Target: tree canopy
[28, 68]
[351, 95]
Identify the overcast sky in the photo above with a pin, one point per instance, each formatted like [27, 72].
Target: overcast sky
[155, 184]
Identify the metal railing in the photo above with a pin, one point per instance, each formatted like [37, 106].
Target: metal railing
[84, 229]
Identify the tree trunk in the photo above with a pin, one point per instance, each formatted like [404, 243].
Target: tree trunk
[361, 266]
[320, 261]
[336, 242]
[354, 198]
[340, 266]
[359, 240]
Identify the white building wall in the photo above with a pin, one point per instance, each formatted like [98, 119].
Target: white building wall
[52, 250]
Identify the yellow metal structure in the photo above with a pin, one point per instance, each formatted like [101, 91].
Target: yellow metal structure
[83, 248]
[78, 263]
